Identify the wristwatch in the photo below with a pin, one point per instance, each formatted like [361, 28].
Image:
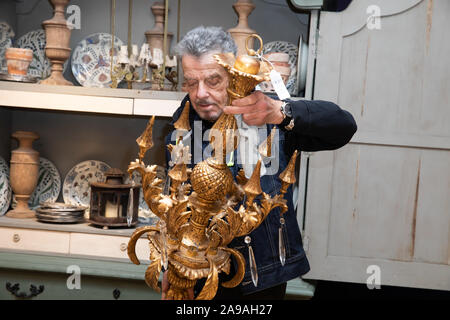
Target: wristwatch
[288, 121]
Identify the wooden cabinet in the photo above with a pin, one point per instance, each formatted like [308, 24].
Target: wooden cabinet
[33, 253]
[98, 278]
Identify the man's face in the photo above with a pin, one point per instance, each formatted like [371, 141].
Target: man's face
[206, 82]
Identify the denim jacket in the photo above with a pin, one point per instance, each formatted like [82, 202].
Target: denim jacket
[319, 125]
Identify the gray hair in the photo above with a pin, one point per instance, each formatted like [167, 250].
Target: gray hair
[203, 40]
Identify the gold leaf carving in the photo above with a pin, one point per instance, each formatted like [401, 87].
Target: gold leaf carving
[212, 282]
[240, 269]
[152, 275]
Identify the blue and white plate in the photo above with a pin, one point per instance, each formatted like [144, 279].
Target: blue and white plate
[5, 187]
[76, 186]
[48, 185]
[6, 36]
[91, 60]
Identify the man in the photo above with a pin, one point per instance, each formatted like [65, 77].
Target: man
[304, 126]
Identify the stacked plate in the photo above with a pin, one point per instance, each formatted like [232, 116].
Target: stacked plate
[60, 212]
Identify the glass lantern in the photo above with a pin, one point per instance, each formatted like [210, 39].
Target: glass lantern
[113, 203]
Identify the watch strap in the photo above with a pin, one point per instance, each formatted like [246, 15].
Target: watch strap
[288, 121]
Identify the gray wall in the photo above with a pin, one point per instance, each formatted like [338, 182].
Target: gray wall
[70, 138]
[8, 13]
[5, 130]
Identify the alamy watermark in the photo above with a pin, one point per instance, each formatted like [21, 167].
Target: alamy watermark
[74, 280]
[248, 142]
[374, 18]
[374, 279]
[73, 17]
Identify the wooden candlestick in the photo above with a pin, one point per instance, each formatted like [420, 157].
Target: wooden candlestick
[243, 8]
[155, 36]
[155, 40]
[58, 43]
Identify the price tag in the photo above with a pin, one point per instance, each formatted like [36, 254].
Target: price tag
[278, 85]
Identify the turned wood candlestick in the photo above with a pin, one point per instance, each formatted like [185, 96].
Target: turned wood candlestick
[24, 173]
[155, 36]
[57, 48]
[240, 33]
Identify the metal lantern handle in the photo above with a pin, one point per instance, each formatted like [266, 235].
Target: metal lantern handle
[252, 52]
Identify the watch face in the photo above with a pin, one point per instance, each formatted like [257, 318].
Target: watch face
[288, 109]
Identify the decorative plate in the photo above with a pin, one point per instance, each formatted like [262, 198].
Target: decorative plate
[144, 210]
[75, 214]
[6, 35]
[292, 50]
[48, 185]
[91, 60]
[76, 188]
[5, 187]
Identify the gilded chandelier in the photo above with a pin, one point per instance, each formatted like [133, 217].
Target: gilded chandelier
[190, 239]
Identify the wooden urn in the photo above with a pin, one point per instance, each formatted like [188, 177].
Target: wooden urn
[23, 173]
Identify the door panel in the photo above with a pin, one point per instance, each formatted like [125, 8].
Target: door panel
[366, 213]
[384, 199]
[433, 218]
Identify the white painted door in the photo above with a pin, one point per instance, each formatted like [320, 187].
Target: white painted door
[384, 199]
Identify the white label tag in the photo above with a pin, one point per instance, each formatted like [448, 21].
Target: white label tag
[278, 85]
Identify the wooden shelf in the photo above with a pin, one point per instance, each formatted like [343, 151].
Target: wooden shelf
[84, 227]
[97, 100]
[68, 239]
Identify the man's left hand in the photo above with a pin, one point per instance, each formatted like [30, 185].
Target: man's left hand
[257, 109]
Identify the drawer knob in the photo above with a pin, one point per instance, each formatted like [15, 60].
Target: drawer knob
[16, 238]
[116, 293]
[123, 246]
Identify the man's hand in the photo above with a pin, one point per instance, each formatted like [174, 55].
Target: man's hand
[257, 109]
[165, 288]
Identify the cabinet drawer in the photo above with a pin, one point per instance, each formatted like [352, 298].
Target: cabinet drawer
[34, 240]
[106, 246]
